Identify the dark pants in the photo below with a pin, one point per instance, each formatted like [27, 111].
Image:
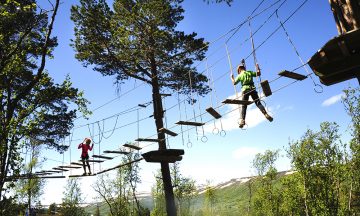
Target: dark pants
[255, 97]
[85, 159]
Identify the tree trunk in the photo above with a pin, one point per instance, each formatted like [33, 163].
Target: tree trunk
[165, 170]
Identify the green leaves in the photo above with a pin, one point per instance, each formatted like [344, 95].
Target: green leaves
[138, 39]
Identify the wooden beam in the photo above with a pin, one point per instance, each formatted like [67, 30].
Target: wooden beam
[78, 176]
[76, 163]
[147, 140]
[116, 152]
[292, 75]
[235, 101]
[213, 112]
[71, 167]
[132, 146]
[167, 131]
[101, 156]
[190, 123]
[60, 169]
[121, 165]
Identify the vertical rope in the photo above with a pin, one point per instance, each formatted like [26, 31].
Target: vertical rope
[193, 103]
[296, 51]
[231, 73]
[258, 78]
[181, 127]
[166, 126]
[215, 130]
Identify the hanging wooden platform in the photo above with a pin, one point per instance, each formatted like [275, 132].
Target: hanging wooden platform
[71, 167]
[213, 112]
[76, 163]
[167, 156]
[103, 157]
[52, 171]
[266, 88]
[121, 165]
[338, 60]
[190, 123]
[61, 169]
[235, 101]
[147, 140]
[167, 131]
[115, 152]
[132, 146]
[292, 75]
[78, 176]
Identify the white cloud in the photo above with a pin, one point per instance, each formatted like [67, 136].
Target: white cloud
[245, 152]
[334, 99]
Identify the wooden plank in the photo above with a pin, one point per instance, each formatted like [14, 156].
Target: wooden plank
[61, 169]
[101, 156]
[213, 112]
[266, 88]
[95, 161]
[31, 177]
[167, 131]
[52, 171]
[190, 123]
[147, 140]
[165, 95]
[292, 75]
[132, 146]
[76, 163]
[115, 152]
[235, 101]
[71, 167]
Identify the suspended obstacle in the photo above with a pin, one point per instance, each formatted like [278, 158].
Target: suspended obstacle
[15, 178]
[235, 101]
[76, 163]
[338, 60]
[213, 112]
[167, 131]
[132, 146]
[166, 155]
[190, 123]
[292, 75]
[115, 152]
[266, 88]
[103, 157]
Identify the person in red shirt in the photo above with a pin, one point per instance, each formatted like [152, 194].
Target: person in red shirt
[85, 147]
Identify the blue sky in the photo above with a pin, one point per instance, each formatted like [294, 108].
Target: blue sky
[295, 108]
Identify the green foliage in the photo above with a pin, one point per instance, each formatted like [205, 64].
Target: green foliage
[72, 198]
[32, 105]
[29, 190]
[52, 209]
[120, 193]
[138, 39]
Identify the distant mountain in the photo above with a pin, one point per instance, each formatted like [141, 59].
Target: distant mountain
[232, 198]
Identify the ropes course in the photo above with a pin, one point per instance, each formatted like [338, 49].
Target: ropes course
[190, 122]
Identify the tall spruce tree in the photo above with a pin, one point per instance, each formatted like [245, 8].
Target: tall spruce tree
[31, 104]
[138, 39]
